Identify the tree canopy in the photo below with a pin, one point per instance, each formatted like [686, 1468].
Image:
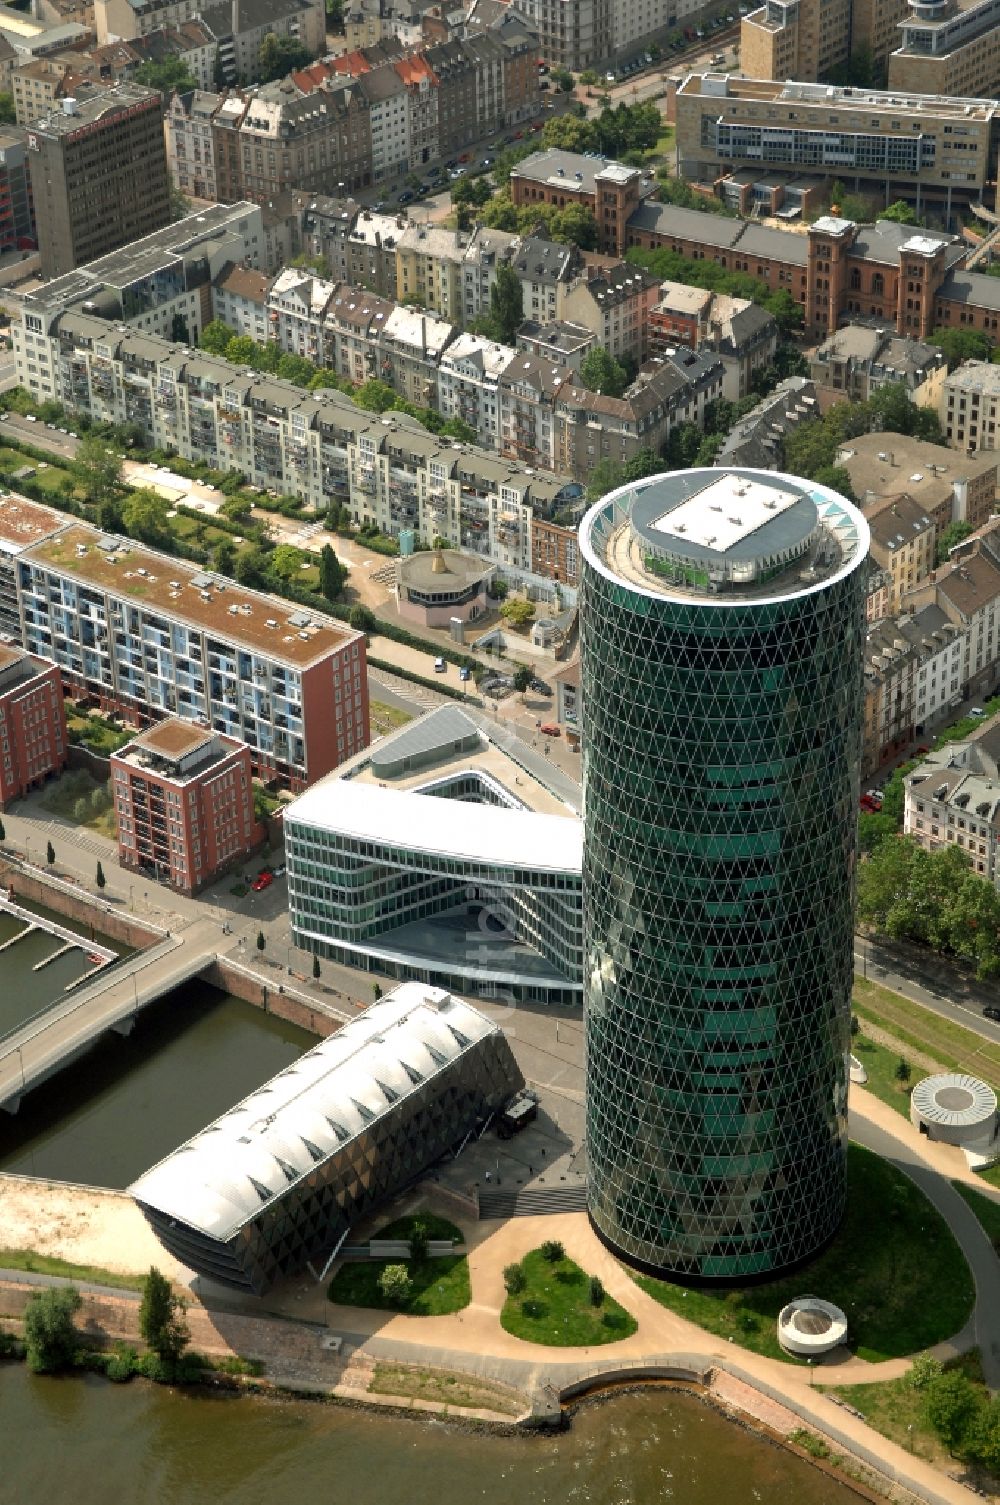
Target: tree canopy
[600, 372]
[281, 55]
[169, 75]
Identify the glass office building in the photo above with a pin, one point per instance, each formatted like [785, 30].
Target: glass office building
[722, 626]
[281, 1177]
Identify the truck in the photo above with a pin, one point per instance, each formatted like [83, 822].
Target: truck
[517, 1113]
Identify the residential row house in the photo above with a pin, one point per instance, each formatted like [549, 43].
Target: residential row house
[952, 798]
[949, 487]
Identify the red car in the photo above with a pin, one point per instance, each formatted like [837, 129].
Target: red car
[465, 157]
[549, 729]
[518, 135]
[262, 881]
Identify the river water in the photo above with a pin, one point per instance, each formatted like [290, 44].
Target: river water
[143, 1445]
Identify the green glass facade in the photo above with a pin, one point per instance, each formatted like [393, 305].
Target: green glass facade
[721, 765]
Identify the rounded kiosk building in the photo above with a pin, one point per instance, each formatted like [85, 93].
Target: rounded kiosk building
[722, 627]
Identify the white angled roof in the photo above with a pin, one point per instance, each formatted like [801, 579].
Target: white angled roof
[480, 834]
[229, 1171]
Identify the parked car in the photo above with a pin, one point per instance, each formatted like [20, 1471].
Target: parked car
[977, 710]
[405, 196]
[465, 156]
[991, 1012]
[875, 795]
[549, 729]
[465, 675]
[540, 687]
[440, 667]
[279, 871]
[262, 881]
[923, 749]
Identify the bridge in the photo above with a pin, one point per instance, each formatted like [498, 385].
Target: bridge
[33, 1051]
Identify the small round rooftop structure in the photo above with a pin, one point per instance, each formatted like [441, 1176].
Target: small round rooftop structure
[809, 1327]
[733, 534]
[954, 1108]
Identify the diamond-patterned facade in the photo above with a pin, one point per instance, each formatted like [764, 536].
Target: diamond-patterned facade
[721, 764]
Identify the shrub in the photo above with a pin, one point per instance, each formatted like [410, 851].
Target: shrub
[395, 1284]
[10, 1346]
[418, 1241]
[596, 1291]
[161, 1318]
[50, 1337]
[121, 1364]
[925, 1368]
[532, 1308]
[80, 811]
[514, 1279]
[553, 1251]
[951, 1404]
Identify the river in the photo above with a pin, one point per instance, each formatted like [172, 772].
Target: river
[94, 1442]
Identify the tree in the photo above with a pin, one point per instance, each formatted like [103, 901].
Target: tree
[563, 80]
[179, 330]
[144, 515]
[517, 611]
[949, 537]
[376, 991]
[600, 372]
[224, 558]
[553, 1251]
[514, 1279]
[951, 1403]
[50, 1337]
[332, 574]
[982, 1441]
[395, 1285]
[419, 1240]
[216, 336]
[362, 619]
[960, 345]
[506, 303]
[281, 55]
[98, 469]
[316, 967]
[242, 351]
[607, 474]
[901, 212]
[296, 368]
[161, 1318]
[523, 675]
[335, 15]
[902, 1072]
[575, 225]
[99, 877]
[855, 1026]
[8, 114]
[168, 76]
[287, 561]
[237, 508]
[50, 854]
[261, 940]
[251, 566]
[596, 1291]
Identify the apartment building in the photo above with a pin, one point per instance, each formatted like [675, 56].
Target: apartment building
[949, 487]
[614, 300]
[858, 360]
[808, 40]
[184, 805]
[296, 309]
[948, 49]
[681, 316]
[410, 346]
[191, 43]
[744, 337]
[970, 406]
[953, 799]
[913, 681]
[17, 209]
[903, 544]
[99, 175]
[41, 84]
[33, 743]
[968, 592]
[318, 141]
[191, 142]
[485, 251]
[934, 150]
[369, 259]
[756, 439]
[389, 117]
[562, 342]
[468, 384]
[152, 636]
[238, 26]
[161, 284]
[430, 263]
[240, 299]
[573, 36]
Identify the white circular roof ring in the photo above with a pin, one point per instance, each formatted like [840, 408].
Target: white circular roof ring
[809, 1327]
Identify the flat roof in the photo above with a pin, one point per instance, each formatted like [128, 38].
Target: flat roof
[482, 835]
[726, 513]
[192, 595]
[23, 523]
[174, 738]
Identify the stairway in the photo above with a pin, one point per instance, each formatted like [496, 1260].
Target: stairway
[532, 1201]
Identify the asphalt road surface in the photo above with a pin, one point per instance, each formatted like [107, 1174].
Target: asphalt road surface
[931, 982]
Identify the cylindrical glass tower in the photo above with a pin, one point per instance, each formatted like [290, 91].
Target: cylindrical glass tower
[722, 626]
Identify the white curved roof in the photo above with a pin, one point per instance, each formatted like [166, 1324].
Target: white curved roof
[474, 833]
[223, 1176]
[953, 1098]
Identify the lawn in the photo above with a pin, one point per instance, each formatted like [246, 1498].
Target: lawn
[952, 1044]
[48, 1264]
[48, 475]
[464, 1390]
[555, 1307]
[96, 732]
[72, 797]
[439, 1286]
[880, 1063]
[894, 1267]
[897, 1410]
[987, 1209]
[385, 718]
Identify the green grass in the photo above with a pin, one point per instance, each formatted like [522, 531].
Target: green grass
[987, 1209]
[897, 1410]
[434, 1228]
[880, 1063]
[63, 798]
[48, 1264]
[956, 1047]
[991, 1175]
[385, 718]
[48, 474]
[440, 1286]
[96, 732]
[555, 1307]
[894, 1267]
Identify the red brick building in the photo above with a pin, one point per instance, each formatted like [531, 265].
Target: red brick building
[32, 722]
[184, 802]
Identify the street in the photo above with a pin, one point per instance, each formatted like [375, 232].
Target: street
[929, 980]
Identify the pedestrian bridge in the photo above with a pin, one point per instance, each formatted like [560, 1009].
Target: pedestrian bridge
[33, 1051]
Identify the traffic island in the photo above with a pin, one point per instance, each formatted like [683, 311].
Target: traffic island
[552, 1301]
